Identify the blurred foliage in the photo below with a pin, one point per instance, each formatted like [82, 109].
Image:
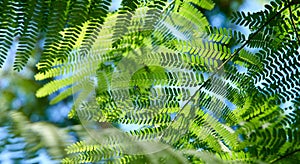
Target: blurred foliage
[18, 93]
[28, 125]
[228, 6]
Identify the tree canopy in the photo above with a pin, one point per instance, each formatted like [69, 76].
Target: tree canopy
[151, 82]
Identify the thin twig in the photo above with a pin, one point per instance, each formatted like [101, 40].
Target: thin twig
[285, 156]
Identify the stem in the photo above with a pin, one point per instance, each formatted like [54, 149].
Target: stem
[285, 156]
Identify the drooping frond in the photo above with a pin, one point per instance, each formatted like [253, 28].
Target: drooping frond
[57, 44]
[225, 36]
[257, 19]
[114, 148]
[27, 21]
